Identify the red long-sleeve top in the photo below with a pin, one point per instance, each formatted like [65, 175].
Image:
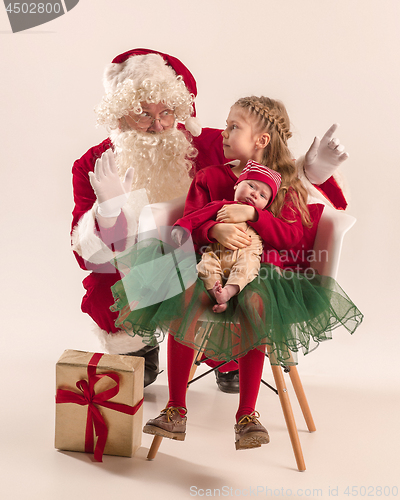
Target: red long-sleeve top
[217, 183]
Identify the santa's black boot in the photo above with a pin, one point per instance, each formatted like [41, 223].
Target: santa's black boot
[151, 362]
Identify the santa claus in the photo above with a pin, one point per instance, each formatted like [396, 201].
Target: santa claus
[154, 146]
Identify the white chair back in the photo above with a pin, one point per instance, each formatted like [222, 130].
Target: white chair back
[157, 216]
[332, 227]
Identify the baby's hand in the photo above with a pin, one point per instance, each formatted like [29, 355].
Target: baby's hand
[236, 213]
[230, 236]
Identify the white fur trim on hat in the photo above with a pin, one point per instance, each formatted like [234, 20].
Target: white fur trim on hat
[193, 126]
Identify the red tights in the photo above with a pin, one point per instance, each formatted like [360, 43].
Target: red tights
[180, 360]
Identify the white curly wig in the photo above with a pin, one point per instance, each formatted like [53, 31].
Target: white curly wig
[144, 78]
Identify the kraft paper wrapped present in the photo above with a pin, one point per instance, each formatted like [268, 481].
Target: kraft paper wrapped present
[99, 403]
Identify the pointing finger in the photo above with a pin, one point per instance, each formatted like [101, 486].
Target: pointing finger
[329, 133]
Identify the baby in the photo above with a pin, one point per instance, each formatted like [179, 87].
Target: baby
[257, 186]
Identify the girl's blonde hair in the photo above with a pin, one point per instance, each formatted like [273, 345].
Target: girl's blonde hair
[271, 116]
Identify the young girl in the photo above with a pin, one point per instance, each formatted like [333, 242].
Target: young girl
[284, 313]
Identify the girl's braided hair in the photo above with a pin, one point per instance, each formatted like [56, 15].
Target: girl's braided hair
[270, 116]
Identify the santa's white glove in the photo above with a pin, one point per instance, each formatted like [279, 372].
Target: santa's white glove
[111, 192]
[179, 235]
[324, 157]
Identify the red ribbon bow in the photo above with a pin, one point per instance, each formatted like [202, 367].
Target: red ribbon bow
[88, 397]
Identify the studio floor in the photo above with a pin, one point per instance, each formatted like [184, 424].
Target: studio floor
[354, 450]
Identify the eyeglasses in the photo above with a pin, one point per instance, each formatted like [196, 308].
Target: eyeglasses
[145, 120]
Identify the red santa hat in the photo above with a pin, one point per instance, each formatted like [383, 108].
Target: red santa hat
[139, 65]
[257, 172]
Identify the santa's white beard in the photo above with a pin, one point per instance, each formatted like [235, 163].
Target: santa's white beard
[161, 162]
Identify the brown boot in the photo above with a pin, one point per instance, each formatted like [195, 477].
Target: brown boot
[170, 424]
[250, 433]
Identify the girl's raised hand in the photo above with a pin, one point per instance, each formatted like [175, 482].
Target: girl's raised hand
[230, 236]
[236, 213]
[324, 157]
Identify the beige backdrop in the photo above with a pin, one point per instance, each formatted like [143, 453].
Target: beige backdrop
[328, 61]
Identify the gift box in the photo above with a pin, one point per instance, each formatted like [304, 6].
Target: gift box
[99, 403]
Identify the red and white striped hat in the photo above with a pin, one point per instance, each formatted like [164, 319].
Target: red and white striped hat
[257, 172]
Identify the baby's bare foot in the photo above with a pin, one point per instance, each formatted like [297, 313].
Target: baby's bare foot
[221, 294]
[219, 308]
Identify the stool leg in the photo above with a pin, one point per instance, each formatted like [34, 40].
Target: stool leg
[301, 397]
[154, 447]
[288, 414]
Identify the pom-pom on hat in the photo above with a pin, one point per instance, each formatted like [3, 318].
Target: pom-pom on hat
[139, 65]
[257, 172]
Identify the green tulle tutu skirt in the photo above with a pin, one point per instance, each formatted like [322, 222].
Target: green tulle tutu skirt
[285, 310]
